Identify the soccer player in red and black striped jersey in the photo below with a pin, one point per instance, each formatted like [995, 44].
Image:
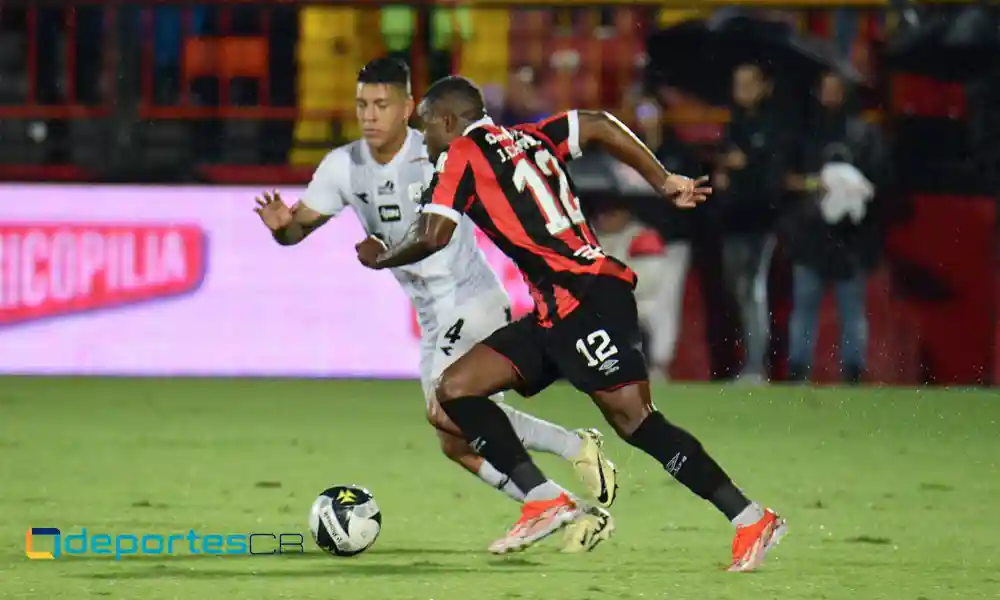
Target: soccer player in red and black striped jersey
[513, 184]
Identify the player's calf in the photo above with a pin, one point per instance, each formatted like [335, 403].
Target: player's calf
[454, 446]
[458, 450]
[680, 453]
[463, 393]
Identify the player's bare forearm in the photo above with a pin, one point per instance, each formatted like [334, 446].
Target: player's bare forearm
[599, 127]
[304, 222]
[290, 235]
[429, 234]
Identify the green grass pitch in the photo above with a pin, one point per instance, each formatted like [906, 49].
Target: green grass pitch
[889, 493]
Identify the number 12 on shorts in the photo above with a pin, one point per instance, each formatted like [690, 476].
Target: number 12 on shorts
[596, 348]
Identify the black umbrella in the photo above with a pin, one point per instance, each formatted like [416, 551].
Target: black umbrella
[700, 56]
[950, 46]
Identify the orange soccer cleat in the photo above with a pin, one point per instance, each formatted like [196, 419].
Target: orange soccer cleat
[539, 520]
[753, 542]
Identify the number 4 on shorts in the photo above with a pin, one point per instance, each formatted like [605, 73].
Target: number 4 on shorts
[454, 332]
[596, 347]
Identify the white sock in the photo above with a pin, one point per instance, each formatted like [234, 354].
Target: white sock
[542, 436]
[546, 491]
[750, 515]
[498, 480]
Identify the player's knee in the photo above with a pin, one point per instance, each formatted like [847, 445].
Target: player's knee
[625, 408]
[454, 383]
[440, 421]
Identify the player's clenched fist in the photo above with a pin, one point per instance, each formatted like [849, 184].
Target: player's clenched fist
[369, 249]
[272, 211]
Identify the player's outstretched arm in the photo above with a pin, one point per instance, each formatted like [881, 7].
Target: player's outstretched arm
[599, 127]
[429, 234]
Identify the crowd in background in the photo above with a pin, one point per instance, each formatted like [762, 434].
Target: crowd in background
[810, 185]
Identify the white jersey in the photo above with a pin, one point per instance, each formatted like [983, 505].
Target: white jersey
[386, 199]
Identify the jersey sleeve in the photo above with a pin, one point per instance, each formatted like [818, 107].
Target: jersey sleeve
[330, 184]
[452, 186]
[563, 130]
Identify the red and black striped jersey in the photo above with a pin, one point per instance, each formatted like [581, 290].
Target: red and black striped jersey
[512, 182]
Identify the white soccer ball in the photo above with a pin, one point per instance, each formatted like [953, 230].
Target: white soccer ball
[345, 520]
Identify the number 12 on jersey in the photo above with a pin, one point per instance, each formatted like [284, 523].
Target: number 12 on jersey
[528, 174]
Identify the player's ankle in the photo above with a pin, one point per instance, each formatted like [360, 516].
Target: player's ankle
[573, 446]
[545, 491]
[527, 477]
[753, 513]
[731, 502]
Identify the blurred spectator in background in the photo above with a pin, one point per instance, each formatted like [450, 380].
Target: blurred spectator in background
[523, 101]
[662, 271]
[833, 239]
[660, 256]
[749, 181]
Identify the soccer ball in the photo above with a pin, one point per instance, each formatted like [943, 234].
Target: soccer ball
[345, 520]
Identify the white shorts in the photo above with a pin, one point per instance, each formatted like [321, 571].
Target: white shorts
[457, 333]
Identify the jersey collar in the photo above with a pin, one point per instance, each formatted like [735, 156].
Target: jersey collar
[480, 123]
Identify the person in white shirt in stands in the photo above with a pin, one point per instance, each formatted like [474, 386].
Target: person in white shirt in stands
[662, 269]
[458, 298]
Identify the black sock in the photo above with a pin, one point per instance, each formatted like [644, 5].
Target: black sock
[488, 430]
[682, 455]
[730, 500]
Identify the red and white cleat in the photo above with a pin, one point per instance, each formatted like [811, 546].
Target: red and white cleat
[538, 520]
[753, 542]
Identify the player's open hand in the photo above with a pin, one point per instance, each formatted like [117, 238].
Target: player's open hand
[687, 192]
[368, 251]
[272, 211]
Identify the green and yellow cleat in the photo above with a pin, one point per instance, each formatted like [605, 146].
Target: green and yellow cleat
[598, 473]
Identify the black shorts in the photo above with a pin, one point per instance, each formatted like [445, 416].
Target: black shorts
[597, 347]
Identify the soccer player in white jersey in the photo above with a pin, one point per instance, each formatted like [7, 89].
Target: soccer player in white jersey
[458, 298]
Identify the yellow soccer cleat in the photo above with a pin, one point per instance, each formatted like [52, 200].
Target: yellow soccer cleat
[594, 527]
[594, 469]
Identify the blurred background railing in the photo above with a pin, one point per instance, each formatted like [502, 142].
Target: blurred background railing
[177, 89]
[256, 92]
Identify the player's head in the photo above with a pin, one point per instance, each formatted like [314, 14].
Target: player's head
[384, 102]
[448, 107]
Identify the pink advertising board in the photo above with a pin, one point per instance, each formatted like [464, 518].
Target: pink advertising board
[126, 280]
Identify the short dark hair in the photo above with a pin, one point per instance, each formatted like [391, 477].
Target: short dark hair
[387, 70]
[462, 89]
